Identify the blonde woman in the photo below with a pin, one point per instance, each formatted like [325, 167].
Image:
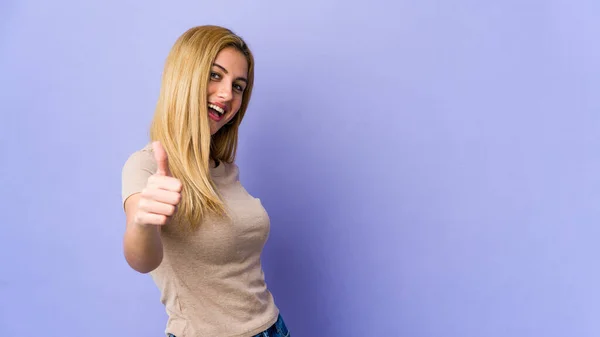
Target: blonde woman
[190, 222]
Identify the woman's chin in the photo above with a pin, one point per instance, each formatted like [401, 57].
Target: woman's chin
[213, 127]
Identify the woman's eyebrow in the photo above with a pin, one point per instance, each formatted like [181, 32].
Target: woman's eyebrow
[226, 72]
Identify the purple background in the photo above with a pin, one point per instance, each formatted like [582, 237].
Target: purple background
[431, 168]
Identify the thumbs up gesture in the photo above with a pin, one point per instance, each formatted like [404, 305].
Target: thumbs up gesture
[159, 200]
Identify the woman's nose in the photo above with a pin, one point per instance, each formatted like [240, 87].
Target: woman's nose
[224, 91]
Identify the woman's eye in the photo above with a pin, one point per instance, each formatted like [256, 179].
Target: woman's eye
[214, 76]
[238, 87]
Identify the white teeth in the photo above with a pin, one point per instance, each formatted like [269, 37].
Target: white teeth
[216, 108]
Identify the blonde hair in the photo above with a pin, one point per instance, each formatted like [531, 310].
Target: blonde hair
[181, 124]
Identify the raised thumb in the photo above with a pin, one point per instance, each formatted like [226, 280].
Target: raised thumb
[162, 161]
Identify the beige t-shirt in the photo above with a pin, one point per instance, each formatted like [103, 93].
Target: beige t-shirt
[211, 280]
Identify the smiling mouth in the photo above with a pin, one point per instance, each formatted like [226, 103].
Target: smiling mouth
[216, 109]
[215, 112]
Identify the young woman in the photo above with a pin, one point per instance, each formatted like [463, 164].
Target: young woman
[190, 222]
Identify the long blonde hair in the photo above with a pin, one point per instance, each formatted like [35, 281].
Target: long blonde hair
[181, 124]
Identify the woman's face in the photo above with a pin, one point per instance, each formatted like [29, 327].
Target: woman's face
[228, 81]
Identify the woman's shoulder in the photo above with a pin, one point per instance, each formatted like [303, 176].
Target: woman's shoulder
[141, 159]
[138, 167]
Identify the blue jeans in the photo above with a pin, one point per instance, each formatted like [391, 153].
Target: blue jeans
[276, 330]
